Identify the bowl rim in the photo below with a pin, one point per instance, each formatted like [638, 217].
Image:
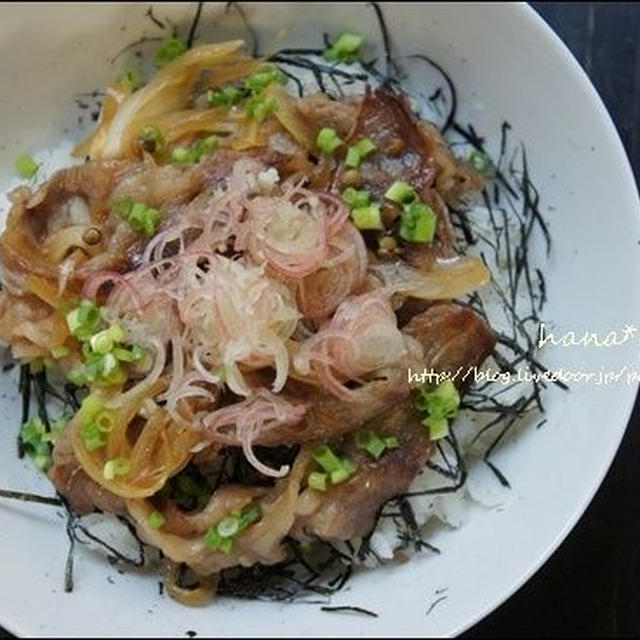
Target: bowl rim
[553, 40]
[533, 21]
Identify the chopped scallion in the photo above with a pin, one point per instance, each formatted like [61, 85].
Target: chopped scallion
[370, 442]
[169, 50]
[401, 192]
[443, 401]
[155, 519]
[131, 78]
[144, 219]
[480, 162]
[342, 474]
[260, 108]
[262, 78]
[61, 351]
[418, 223]
[151, 139]
[326, 458]
[358, 152]
[355, 198]
[26, 166]
[345, 48]
[367, 218]
[317, 481]
[116, 467]
[229, 526]
[391, 442]
[225, 97]
[328, 140]
[93, 437]
[438, 427]
[105, 421]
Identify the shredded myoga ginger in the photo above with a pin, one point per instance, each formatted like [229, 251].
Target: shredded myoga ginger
[223, 274]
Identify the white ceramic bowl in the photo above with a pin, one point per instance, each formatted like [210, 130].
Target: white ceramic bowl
[506, 64]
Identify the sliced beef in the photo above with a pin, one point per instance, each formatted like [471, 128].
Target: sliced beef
[320, 111]
[348, 510]
[453, 337]
[83, 494]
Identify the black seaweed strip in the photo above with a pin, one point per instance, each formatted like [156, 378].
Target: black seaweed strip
[132, 45]
[247, 25]
[154, 19]
[345, 608]
[391, 66]
[297, 81]
[24, 387]
[309, 52]
[435, 603]
[452, 89]
[39, 387]
[117, 554]
[30, 497]
[194, 25]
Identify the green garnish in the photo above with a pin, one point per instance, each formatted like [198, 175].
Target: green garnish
[38, 442]
[343, 473]
[367, 217]
[438, 427]
[135, 354]
[317, 481]
[228, 527]
[93, 437]
[155, 519]
[443, 401]
[194, 153]
[105, 421]
[225, 97]
[259, 108]
[221, 536]
[358, 152]
[480, 162]
[401, 192]
[26, 167]
[144, 219]
[370, 442]
[260, 80]
[84, 320]
[418, 223]
[338, 469]
[141, 218]
[96, 422]
[151, 138]
[91, 406]
[355, 198]
[328, 140]
[61, 351]
[440, 404]
[131, 78]
[326, 458]
[391, 442]
[103, 341]
[344, 49]
[168, 51]
[101, 347]
[116, 467]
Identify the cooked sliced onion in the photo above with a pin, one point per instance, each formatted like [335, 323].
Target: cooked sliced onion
[450, 278]
[169, 90]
